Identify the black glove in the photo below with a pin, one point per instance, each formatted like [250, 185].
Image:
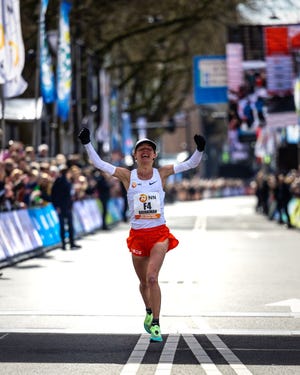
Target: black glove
[84, 136]
[200, 142]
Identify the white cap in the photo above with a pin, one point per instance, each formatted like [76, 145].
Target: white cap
[145, 140]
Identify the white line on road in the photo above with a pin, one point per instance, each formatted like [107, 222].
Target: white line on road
[136, 357]
[225, 314]
[200, 223]
[206, 363]
[233, 361]
[166, 359]
[3, 336]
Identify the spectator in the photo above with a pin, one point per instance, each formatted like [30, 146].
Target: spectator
[282, 195]
[42, 191]
[103, 189]
[30, 154]
[30, 184]
[43, 151]
[2, 185]
[62, 199]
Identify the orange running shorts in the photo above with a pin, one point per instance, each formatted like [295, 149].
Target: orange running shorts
[141, 241]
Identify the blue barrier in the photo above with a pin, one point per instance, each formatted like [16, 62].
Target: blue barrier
[26, 232]
[46, 223]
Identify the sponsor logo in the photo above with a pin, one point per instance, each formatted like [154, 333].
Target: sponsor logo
[143, 198]
[151, 183]
[137, 252]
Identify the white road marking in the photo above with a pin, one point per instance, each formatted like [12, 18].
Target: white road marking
[226, 314]
[200, 223]
[3, 336]
[233, 361]
[136, 357]
[205, 361]
[293, 303]
[166, 359]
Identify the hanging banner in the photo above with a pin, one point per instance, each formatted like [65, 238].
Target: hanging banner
[115, 138]
[47, 80]
[12, 54]
[279, 60]
[141, 124]
[103, 132]
[127, 144]
[234, 65]
[279, 75]
[64, 66]
[210, 79]
[2, 46]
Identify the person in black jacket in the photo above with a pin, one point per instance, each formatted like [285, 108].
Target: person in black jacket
[103, 191]
[282, 196]
[61, 196]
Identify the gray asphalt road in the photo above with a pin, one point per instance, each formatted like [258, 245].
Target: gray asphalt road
[231, 301]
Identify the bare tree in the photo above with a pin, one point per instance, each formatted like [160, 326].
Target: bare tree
[147, 45]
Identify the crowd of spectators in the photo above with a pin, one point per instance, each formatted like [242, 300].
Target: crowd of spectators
[195, 188]
[274, 190]
[27, 176]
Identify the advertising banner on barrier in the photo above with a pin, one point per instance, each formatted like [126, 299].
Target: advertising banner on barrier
[17, 234]
[29, 231]
[77, 219]
[34, 228]
[45, 224]
[88, 215]
[114, 210]
[6, 245]
[53, 223]
[294, 211]
[96, 217]
[12, 233]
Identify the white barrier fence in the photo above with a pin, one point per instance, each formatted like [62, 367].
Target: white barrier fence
[29, 232]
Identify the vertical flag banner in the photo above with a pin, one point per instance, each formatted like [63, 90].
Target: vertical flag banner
[234, 65]
[141, 124]
[2, 46]
[12, 54]
[47, 80]
[279, 61]
[127, 144]
[64, 66]
[103, 132]
[115, 139]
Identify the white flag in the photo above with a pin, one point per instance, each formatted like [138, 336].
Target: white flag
[12, 55]
[15, 87]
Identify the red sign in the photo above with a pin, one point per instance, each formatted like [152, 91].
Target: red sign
[276, 41]
[294, 36]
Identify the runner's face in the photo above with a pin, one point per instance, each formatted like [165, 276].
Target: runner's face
[145, 152]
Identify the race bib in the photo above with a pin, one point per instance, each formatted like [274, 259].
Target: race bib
[146, 206]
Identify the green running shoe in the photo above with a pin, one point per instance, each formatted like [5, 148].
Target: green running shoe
[148, 322]
[155, 333]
